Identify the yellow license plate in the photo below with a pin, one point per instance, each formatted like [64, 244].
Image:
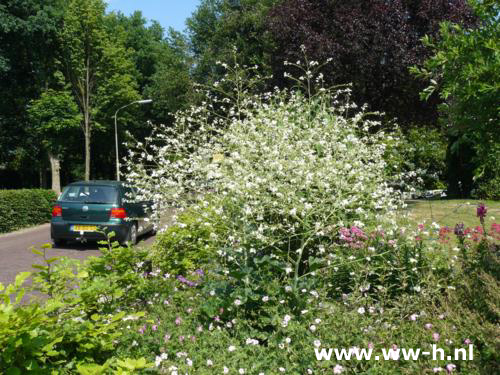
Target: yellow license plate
[84, 228]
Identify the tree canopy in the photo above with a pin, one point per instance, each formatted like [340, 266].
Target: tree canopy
[106, 60]
[371, 43]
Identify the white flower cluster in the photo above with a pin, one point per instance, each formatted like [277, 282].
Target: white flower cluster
[278, 168]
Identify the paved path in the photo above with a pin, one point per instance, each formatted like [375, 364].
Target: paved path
[16, 256]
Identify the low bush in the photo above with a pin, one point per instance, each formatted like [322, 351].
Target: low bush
[383, 290]
[57, 337]
[189, 244]
[24, 208]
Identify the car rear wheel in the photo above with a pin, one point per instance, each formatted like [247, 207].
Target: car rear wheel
[132, 235]
[58, 242]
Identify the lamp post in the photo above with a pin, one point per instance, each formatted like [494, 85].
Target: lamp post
[146, 101]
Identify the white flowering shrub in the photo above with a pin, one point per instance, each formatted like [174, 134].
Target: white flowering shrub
[284, 171]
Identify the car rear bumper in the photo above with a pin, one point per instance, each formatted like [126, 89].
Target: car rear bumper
[60, 229]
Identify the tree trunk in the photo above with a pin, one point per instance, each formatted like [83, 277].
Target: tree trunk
[87, 124]
[87, 150]
[55, 167]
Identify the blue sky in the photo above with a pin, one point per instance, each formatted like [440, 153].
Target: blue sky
[169, 13]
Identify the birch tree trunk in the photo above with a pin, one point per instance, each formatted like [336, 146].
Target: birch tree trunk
[55, 168]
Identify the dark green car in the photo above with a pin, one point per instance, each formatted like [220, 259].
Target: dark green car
[86, 208]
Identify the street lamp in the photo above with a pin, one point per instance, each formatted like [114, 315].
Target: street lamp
[146, 101]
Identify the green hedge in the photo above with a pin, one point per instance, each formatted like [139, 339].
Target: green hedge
[24, 208]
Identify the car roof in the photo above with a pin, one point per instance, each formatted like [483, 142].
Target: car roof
[97, 182]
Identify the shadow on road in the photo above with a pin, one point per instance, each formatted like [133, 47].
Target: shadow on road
[145, 239]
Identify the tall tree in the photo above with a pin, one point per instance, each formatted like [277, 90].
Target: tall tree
[96, 64]
[54, 117]
[465, 70]
[28, 50]
[372, 44]
[171, 85]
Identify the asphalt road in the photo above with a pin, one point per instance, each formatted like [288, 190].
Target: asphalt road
[16, 256]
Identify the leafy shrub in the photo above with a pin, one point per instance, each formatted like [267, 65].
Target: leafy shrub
[57, 336]
[24, 208]
[488, 187]
[420, 152]
[188, 245]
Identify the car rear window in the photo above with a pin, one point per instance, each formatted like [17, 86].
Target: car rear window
[89, 194]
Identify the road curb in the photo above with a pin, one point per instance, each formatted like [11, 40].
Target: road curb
[25, 230]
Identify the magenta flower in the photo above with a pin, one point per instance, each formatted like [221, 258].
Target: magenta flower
[154, 327]
[481, 211]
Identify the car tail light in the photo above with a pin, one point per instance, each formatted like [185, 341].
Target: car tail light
[118, 213]
[56, 211]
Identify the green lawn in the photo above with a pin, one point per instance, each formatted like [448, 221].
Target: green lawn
[452, 211]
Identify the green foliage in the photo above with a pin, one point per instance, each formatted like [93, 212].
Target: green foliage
[423, 152]
[170, 85]
[54, 118]
[24, 208]
[72, 332]
[188, 245]
[465, 70]
[219, 25]
[28, 49]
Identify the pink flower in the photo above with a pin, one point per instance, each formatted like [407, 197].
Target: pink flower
[178, 321]
[371, 345]
[437, 369]
[181, 338]
[166, 337]
[154, 327]
[467, 342]
[450, 367]
[338, 369]
[436, 336]
[428, 326]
